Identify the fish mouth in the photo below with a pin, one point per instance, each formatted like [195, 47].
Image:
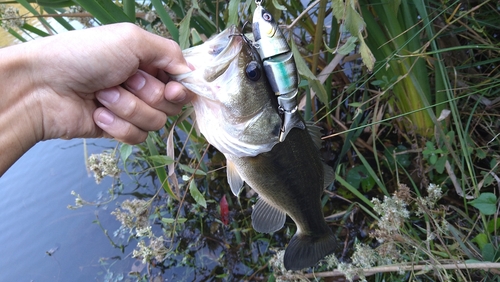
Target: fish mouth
[215, 55]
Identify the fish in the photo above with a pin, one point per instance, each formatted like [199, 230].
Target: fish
[238, 113]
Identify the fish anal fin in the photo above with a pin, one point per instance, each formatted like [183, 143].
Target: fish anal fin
[266, 218]
[315, 133]
[233, 178]
[306, 250]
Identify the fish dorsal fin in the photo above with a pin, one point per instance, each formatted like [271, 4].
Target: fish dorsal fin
[233, 178]
[315, 133]
[329, 175]
[266, 218]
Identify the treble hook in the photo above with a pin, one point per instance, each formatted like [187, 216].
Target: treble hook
[245, 38]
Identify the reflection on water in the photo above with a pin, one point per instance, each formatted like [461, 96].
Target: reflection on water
[35, 220]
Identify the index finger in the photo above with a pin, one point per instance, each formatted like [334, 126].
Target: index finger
[161, 53]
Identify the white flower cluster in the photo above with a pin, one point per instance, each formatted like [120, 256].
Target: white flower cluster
[104, 164]
[393, 213]
[10, 18]
[134, 214]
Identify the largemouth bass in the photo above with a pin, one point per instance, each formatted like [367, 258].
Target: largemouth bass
[237, 112]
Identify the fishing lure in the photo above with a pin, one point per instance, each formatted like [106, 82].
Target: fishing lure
[279, 67]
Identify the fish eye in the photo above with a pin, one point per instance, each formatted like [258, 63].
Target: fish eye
[253, 71]
[267, 17]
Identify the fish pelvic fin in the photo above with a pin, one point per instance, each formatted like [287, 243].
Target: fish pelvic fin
[233, 178]
[266, 218]
[306, 250]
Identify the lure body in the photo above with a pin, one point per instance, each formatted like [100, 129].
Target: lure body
[279, 66]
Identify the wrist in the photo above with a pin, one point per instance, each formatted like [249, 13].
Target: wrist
[18, 112]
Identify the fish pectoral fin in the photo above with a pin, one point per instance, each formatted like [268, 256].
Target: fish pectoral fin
[233, 178]
[266, 218]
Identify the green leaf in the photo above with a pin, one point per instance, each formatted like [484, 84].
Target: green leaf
[184, 30]
[195, 37]
[493, 225]
[349, 46]
[161, 160]
[366, 54]
[488, 252]
[481, 154]
[304, 70]
[278, 5]
[17, 35]
[129, 8]
[166, 19]
[125, 152]
[53, 3]
[353, 21]
[106, 11]
[168, 220]
[233, 12]
[359, 176]
[486, 203]
[32, 10]
[191, 170]
[35, 30]
[367, 184]
[159, 168]
[440, 164]
[338, 8]
[61, 20]
[481, 240]
[197, 196]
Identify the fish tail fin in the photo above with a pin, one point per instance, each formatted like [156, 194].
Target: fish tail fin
[306, 250]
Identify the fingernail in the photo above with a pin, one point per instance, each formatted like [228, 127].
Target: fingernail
[136, 81]
[109, 95]
[105, 117]
[179, 98]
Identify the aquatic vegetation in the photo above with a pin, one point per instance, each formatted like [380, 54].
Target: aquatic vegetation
[104, 164]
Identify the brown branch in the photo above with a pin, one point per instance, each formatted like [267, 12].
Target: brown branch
[71, 15]
[489, 266]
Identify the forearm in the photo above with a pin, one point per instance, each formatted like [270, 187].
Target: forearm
[17, 131]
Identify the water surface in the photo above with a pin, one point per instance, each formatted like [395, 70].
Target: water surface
[34, 195]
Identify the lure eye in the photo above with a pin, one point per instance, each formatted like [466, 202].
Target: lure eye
[253, 71]
[267, 17]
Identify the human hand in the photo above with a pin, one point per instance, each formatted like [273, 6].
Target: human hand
[107, 81]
